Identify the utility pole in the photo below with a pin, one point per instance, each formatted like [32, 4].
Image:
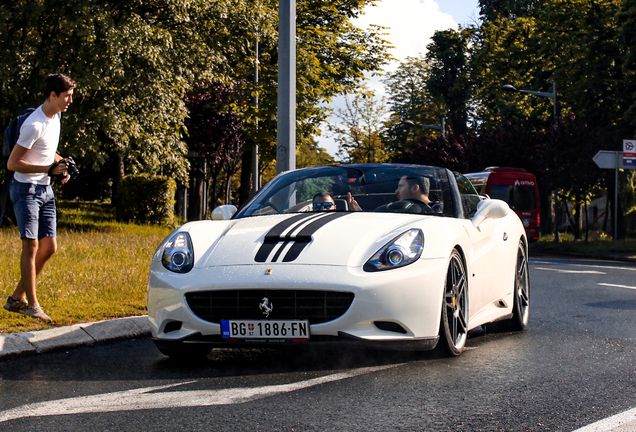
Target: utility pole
[286, 124]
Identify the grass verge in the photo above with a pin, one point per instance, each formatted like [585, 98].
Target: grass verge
[100, 270]
[597, 245]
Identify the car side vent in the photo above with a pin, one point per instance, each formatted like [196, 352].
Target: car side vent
[389, 326]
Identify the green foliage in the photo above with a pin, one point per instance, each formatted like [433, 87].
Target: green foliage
[134, 60]
[146, 199]
[309, 154]
[449, 78]
[358, 135]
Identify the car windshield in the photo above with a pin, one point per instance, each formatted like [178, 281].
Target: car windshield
[366, 188]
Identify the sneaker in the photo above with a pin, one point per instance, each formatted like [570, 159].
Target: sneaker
[37, 312]
[19, 306]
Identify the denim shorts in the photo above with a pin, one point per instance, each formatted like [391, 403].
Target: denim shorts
[34, 207]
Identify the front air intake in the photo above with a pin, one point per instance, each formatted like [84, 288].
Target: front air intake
[315, 306]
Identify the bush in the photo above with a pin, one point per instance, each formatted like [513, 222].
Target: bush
[143, 198]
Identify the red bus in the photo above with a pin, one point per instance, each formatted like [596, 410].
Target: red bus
[518, 188]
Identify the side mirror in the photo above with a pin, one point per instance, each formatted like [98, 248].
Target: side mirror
[224, 212]
[490, 209]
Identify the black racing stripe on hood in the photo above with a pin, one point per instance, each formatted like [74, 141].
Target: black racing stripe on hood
[278, 229]
[273, 236]
[300, 240]
[304, 236]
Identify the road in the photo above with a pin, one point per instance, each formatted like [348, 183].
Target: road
[573, 366]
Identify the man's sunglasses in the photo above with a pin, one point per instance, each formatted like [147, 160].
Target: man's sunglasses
[325, 205]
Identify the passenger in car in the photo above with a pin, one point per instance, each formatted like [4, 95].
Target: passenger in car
[324, 201]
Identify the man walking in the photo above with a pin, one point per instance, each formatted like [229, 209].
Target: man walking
[34, 160]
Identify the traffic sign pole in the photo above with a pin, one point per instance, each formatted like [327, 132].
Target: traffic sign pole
[617, 160]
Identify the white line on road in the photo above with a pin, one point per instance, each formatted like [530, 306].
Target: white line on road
[621, 421]
[570, 271]
[628, 268]
[617, 286]
[149, 398]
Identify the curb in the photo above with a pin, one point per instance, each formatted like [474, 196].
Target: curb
[17, 344]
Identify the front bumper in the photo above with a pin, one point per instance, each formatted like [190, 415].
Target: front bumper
[408, 298]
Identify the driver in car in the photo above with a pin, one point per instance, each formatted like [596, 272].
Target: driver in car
[414, 188]
[412, 193]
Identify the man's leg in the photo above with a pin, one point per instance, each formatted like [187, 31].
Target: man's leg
[34, 257]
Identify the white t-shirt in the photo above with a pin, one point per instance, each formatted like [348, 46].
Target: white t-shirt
[41, 135]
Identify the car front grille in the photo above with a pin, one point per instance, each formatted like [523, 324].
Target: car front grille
[315, 306]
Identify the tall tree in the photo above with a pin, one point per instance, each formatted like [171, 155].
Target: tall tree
[408, 99]
[213, 131]
[491, 10]
[359, 131]
[449, 77]
[627, 45]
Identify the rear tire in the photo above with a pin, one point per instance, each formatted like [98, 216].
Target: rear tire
[453, 329]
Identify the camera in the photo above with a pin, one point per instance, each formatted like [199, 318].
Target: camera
[71, 168]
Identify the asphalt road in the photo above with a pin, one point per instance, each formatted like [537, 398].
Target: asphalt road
[573, 366]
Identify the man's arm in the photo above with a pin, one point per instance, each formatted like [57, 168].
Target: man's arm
[17, 163]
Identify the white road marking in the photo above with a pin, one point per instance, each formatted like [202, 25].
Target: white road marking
[606, 267]
[617, 286]
[150, 398]
[570, 271]
[628, 268]
[621, 421]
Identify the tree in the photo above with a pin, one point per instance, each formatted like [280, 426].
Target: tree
[627, 45]
[449, 78]
[444, 151]
[310, 154]
[408, 99]
[491, 10]
[135, 60]
[358, 134]
[214, 132]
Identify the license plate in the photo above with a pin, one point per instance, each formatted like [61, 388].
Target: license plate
[288, 331]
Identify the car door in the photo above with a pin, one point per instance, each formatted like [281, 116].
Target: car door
[486, 246]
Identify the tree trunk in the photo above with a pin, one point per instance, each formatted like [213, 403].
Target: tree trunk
[196, 207]
[118, 175]
[247, 175]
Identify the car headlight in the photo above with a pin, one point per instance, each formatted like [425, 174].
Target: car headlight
[403, 250]
[178, 255]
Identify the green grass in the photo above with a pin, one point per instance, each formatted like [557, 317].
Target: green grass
[100, 270]
[598, 244]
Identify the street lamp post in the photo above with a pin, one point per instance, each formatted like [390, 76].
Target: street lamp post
[510, 88]
[410, 124]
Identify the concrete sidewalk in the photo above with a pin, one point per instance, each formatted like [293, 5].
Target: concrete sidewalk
[17, 344]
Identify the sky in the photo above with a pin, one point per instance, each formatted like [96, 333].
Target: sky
[411, 23]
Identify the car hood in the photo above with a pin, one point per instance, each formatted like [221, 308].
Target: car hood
[325, 238]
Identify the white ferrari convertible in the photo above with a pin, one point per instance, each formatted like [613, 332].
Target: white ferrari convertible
[396, 256]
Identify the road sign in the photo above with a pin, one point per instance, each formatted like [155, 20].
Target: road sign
[616, 160]
[612, 160]
[629, 153]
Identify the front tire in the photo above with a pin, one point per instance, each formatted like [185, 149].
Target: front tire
[453, 329]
